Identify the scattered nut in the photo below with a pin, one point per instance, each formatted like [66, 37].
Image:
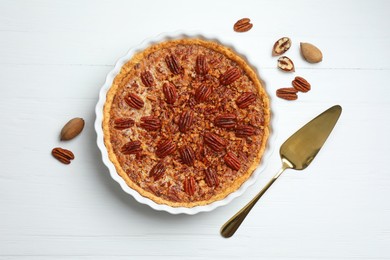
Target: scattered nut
[72, 128]
[311, 53]
[287, 93]
[62, 155]
[286, 64]
[301, 84]
[243, 25]
[281, 46]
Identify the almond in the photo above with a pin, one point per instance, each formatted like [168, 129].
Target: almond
[310, 52]
[72, 128]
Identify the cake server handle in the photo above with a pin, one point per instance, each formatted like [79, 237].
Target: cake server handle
[231, 226]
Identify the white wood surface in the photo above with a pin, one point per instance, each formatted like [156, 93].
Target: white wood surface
[54, 57]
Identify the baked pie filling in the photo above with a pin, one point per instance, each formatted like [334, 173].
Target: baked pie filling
[186, 122]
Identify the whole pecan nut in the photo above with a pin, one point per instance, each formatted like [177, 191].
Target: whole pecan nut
[202, 92]
[150, 123]
[232, 161]
[123, 123]
[173, 64]
[170, 92]
[62, 155]
[157, 171]
[165, 148]
[301, 84]
[214, 141]
[245, 99]
[211, 177]
[187, 155]
[132, 147]
[147, 78]
[189, 186]
[134, 101]
[201, 66]
[185, 120]
[230, 76]
[226, 120]
[281, 46]
[243, 25]
[287, 93]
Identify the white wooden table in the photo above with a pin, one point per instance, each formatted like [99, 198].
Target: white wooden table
[54, 57]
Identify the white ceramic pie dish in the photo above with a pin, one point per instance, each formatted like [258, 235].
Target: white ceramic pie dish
[100, 137]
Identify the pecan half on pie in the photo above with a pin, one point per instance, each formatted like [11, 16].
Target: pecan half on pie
[186, 122]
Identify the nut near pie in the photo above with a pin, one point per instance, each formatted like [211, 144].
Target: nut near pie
[186, 122]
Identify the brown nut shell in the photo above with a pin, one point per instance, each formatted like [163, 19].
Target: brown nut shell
[311, 53]
[72, 128]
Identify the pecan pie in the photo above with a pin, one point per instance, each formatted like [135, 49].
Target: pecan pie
[186, 122]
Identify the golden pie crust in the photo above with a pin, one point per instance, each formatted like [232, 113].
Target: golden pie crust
[186, 122]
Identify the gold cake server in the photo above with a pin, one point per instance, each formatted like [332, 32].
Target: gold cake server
[297, 152]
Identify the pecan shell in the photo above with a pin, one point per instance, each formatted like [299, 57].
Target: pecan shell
[132, 147]
[170, 92]
[147, 78]
[185, 120]
[173, 64]
[215, 142]
[230, 76]
[226, 120]
[187, 155]
[62, 155]
[243, 25]
[123, 123]
[211, 177]
[72, 128]
[287, 93]
[245, 99]
[165, 148]
[150, 123]
[157, 171]
[201, 66]
[281, 46]
[286, 64]
[203, 92]
[134, 101]
[189, 186]
[301, 84]
[232, 161]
